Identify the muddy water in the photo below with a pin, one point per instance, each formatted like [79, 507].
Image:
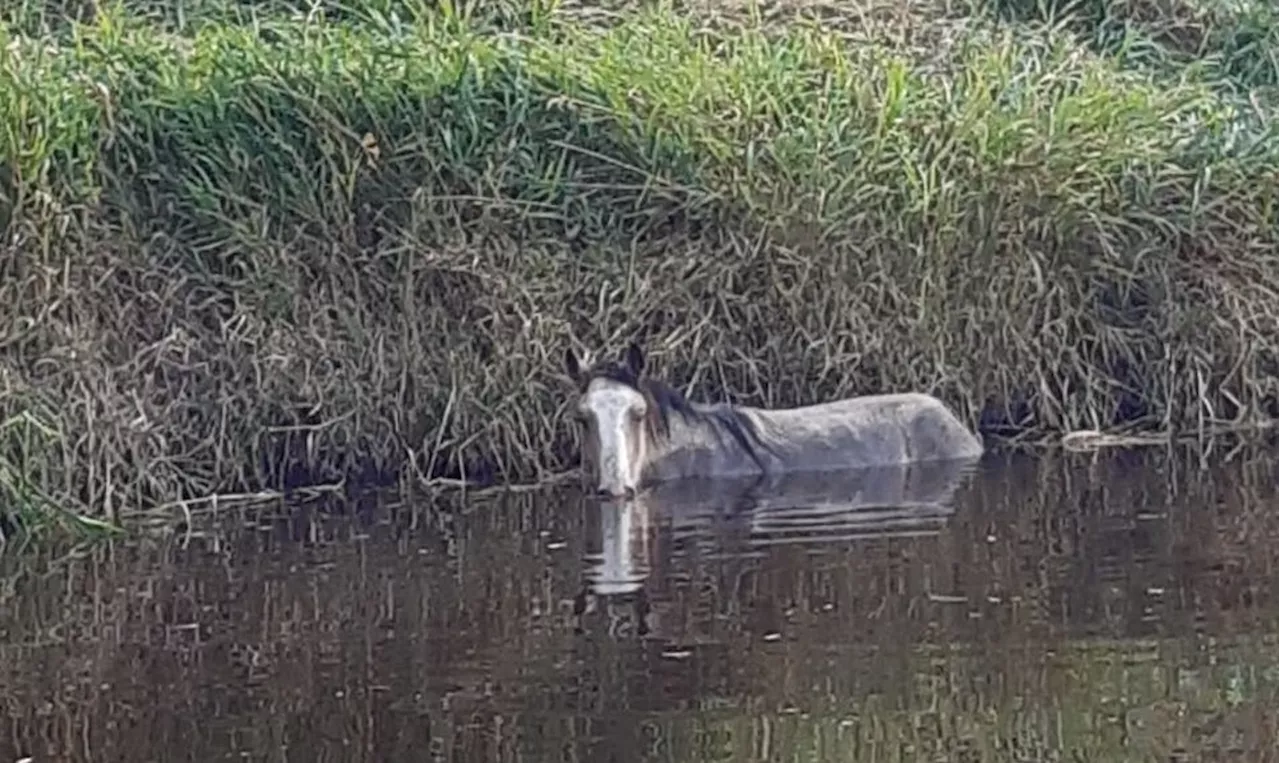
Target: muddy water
[1064, 608]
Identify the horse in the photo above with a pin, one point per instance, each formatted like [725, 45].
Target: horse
[639, 431]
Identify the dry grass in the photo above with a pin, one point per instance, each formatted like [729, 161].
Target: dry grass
[300, 252]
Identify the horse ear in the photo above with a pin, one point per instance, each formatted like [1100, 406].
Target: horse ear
[572, 365]
[635, 359]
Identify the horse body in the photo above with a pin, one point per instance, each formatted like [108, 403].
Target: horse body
[641, 431]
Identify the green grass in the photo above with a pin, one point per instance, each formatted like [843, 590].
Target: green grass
[287, 251]
[1231, 43]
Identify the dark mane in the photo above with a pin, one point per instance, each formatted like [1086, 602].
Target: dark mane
[666, 401]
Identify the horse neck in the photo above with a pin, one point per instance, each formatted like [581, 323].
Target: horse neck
[681, 432]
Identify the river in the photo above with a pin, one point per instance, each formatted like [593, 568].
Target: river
[1052, 607]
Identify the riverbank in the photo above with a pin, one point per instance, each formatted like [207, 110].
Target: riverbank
[300, 251]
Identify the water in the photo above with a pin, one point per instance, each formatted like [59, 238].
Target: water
[1068, 608]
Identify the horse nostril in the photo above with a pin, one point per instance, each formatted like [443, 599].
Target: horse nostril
[627, 493]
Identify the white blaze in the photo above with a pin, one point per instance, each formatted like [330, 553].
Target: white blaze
[614, 406]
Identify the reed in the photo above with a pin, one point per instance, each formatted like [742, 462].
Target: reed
[252, 251]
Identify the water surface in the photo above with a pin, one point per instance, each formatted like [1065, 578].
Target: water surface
[1120, 606]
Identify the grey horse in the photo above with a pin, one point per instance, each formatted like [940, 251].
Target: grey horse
[639, 431]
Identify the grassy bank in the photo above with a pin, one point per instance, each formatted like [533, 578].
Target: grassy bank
[272, 251]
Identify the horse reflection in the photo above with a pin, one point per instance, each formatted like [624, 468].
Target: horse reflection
[877, 502]
[616, 575]
[798, 509]
[625, 541]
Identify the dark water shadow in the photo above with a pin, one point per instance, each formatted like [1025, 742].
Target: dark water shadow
[1117, 606]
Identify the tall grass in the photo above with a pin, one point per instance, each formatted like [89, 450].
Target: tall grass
[1232, 43]
[291, 251]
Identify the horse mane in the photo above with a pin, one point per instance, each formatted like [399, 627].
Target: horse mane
[666, 401]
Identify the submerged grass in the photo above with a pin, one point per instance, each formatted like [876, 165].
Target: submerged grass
[286, 251]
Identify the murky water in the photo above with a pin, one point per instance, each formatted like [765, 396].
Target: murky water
[1068, 608]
